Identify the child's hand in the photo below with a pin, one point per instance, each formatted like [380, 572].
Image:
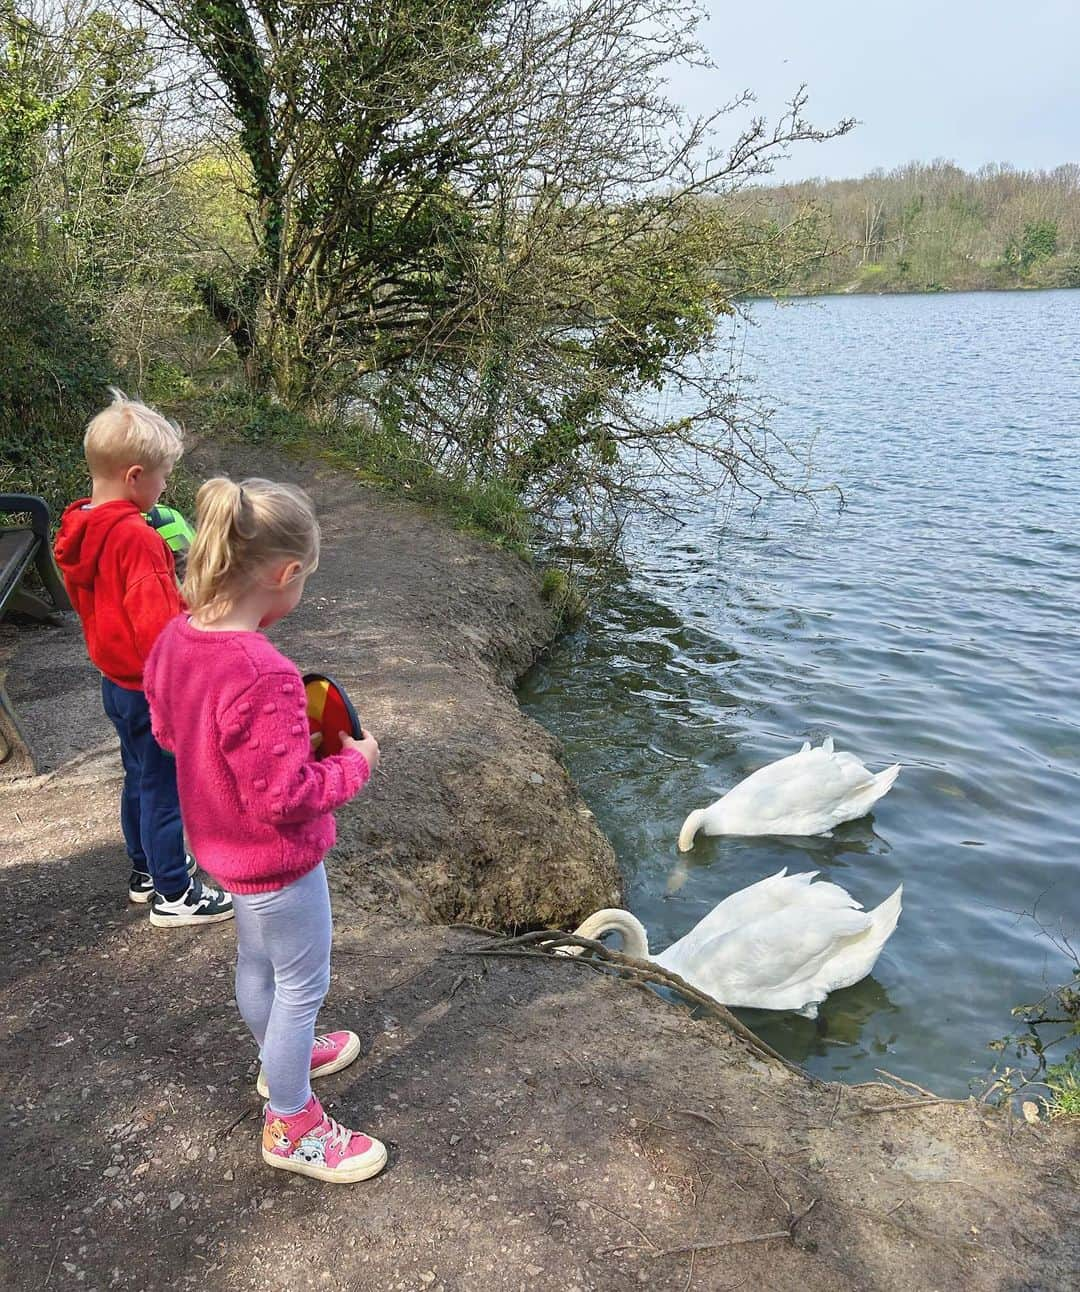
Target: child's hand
[366, 745]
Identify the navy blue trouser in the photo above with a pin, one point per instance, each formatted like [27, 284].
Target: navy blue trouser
[150, 804]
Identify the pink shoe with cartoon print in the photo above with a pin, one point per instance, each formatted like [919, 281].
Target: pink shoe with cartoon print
[331, 1052]
[311, 1143]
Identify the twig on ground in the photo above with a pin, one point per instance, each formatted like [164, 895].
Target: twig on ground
[724, 1242]
[741, 1148]
[547, 941]
[56, 1252]
[228, 1130]
[593, 1077]
[910, 1103]
[636, 1228]
[690, 1272]
[903, 1081]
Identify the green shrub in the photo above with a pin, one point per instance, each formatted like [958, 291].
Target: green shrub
[1063, 1081]
[377, 452]
[53, 376]
[1038, 243]
[562, 592]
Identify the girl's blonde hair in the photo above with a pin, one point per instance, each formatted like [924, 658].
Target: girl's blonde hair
[128, 434]
[238, 529]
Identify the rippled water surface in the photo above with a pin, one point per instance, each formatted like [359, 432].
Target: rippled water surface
[933, 621]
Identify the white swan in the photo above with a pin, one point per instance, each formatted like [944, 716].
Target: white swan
[782, 943]
[805, 793]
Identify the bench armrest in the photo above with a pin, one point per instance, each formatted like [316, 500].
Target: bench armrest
[37, 507]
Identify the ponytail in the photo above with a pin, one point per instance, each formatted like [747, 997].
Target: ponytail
[238, 529]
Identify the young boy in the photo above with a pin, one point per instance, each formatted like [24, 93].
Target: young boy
[121, 580]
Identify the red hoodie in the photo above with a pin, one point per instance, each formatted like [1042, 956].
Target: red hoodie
[121, 579]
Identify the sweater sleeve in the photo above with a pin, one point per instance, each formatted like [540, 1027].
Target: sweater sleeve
[266, 740]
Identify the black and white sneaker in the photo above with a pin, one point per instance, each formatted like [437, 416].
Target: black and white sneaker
[141, 885]
[201, 904]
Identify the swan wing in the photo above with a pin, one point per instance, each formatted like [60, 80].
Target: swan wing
[853, 958]
[760, 901]
[805, 793]
[771, 963]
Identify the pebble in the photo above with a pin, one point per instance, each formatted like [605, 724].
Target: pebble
[175, 1200]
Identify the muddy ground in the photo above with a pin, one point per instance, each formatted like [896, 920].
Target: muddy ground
[548, 1127]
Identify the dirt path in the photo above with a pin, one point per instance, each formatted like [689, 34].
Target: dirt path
[548, 1127]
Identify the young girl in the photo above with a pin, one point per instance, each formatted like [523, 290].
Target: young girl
[257, 806]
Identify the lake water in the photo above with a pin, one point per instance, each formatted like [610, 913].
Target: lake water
[934, 621]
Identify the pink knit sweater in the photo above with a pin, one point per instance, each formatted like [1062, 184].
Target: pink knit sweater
[257, 807]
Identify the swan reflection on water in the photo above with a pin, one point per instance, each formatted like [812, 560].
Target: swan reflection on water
[856, 1018]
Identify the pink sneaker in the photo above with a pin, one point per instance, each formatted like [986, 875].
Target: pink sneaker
[311, 1143]
[330, 1053]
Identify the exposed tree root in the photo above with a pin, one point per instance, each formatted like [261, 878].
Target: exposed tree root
[544, 943]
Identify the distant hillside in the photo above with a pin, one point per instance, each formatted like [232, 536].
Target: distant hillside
[931, 228]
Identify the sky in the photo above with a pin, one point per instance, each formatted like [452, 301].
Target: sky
[970, 82]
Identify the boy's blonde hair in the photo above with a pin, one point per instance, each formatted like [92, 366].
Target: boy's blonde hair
[238, 529]
[128, 434]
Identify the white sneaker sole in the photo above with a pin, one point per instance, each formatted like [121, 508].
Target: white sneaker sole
[178, 921]
[347, 1055]
[367, 1165]
[140, 898]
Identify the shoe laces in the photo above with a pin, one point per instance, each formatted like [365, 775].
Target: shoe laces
[324, 1042]
[336, 1135]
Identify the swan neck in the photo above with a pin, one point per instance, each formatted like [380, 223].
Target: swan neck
[691, 826]
[635, 939]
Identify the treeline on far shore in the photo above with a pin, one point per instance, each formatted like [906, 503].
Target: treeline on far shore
[932, 227]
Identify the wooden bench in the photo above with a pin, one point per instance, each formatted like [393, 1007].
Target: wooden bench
[23, 546]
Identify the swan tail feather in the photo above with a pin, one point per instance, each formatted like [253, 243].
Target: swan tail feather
[856, 961]
[875, 788]
[887, 778]
[884, 918]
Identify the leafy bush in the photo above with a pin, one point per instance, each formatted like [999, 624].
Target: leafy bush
[54, 377]
[1038, 243]
[1063, 1081]
[375, 451]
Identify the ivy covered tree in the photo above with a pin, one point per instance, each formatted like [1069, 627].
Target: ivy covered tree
[484, 219]
[24, 114]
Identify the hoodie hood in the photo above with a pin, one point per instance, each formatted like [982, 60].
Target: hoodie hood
[84, 531]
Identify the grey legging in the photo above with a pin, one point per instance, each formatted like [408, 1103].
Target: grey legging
[282, 975]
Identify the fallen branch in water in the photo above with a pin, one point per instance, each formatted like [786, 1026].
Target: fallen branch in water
[544, 943]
